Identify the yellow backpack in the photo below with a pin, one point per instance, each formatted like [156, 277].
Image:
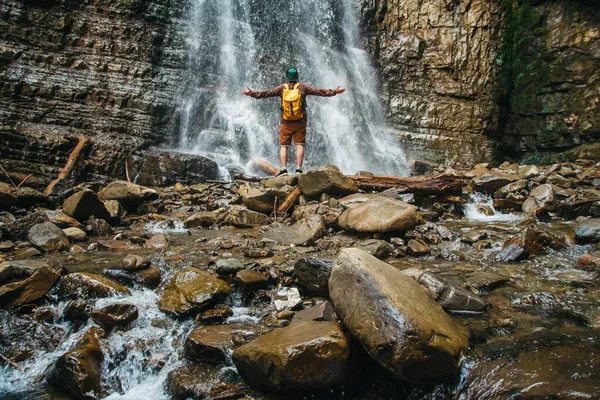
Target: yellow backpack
[291, 103]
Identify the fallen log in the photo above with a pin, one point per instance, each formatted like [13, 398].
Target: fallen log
[438, 184]
[265, 166]
[290, 200]
[82, 142]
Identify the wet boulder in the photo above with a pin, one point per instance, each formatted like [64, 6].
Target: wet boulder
[128, 194]
[217, 315]
[77, 310]
[449, 295]
[242, 217]
[313, 275]
[528, 171]
[490, 182]
[250, 280]
[262, 200]
[190, 381]
[374, 213]
[48, 237]
[306, 356]
[209, 344]
[61, 219]
[588, 231]
[328, 179]
[190, 289]
[78, 372]
[229, 266]
[417, 248]
[84, 204]
[118, 314]
[8, 196]
[394, 319]
[149, 277]
[542, 196]
[516, 249]
[303, 233]
[135, 262]
[510, 188]
[87, 285]
[33, 288]
[279, 182]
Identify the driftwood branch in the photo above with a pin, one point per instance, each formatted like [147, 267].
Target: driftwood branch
[8, 176]
[290, 200]
[265, 166]
[82, 142]
[438, 184]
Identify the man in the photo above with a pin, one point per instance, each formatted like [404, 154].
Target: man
[293, 121]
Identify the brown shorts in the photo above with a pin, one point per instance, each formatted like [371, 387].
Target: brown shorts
[296, 129]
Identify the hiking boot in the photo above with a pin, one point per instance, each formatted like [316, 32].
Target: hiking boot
[298, 170]
[282, 171]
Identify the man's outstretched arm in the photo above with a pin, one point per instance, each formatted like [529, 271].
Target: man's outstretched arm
[261, 94]
[311, 91]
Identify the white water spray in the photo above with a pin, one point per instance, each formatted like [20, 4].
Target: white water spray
[236, 44]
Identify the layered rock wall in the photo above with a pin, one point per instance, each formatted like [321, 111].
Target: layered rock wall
[461, 77]
[110, 70]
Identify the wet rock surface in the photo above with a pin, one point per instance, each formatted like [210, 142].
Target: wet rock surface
[307, 355]
[255, 285]
[394, 319]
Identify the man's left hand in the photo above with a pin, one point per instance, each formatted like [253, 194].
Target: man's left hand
[339, 90]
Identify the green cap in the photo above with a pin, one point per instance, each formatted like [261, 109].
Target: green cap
[292, 75]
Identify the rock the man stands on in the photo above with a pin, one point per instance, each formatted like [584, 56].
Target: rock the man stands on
[293, 114]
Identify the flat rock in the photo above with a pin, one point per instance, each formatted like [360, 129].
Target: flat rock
[129, 195]
[394, 319]
[417, 248]
[229, 266]
[16, 294]
[308, 355]
[242, 217]
[86, 285]
[279, 182]
[209, 344]
[329, 214]
[149, 277]
[118, 314]
[48, 237]
[28, 197]
[84, 204]
[135, 262]
[322, 311]
[75, 234]
[202, 219]
[374, 213]
[449, 295]
[490, 182]
[190, 289]
[510, 188]
[303, 233]
[158, 241]
[376, 247]
[250, 280]
[287, 298]
[328, 179]
[262, 200]
[313, 275]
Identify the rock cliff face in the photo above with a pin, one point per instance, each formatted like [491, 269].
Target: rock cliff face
[462, 76]
[109, 70]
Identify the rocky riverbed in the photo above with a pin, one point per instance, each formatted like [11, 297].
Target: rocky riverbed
[355, 289]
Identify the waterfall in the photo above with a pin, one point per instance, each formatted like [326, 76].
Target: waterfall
[235, 44]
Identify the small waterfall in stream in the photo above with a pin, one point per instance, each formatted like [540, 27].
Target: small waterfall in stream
[235, 44]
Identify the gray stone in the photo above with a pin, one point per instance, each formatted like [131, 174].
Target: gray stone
[303, 233]
[328, 179]
[75, 234]
[313, 275]
[375, 247]
[84, 204]
[541, 196]
[588, 231]
[449, 295]
[129, 195]
[244, 218]
[48, 237]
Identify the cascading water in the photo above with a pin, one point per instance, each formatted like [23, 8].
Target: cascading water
[234, 44]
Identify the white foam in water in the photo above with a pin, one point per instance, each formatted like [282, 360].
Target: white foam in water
[235, 44]
[166, 226]
[472, 210]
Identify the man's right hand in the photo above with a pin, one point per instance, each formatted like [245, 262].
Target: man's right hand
[248, 92]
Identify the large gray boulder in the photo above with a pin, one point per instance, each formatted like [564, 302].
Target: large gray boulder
[48, 237]
[306, 356]
[328, 179]
[394, 319]
[374, 213]
[82, 205]
[128, 194]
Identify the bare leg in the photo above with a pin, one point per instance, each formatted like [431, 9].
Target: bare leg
[299, 155]
[283, 156]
